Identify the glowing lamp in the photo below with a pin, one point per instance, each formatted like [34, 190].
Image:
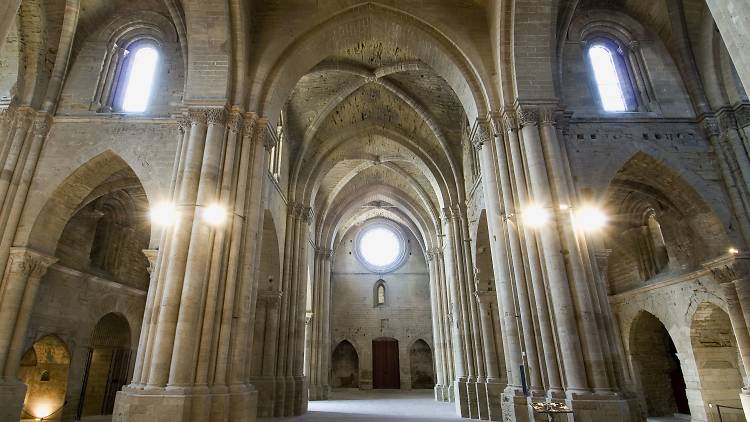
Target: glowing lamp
[214, 215]
[589, 218]
[164, 214]
[734, 251]
[535, 216]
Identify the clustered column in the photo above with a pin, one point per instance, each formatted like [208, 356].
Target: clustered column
[320, 331]
[543, 274]
[202, 292]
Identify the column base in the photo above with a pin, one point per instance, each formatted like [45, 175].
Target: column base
[601, 407]
[300, 396]
[12, 395]
[515, 406]
[494, 400]
[136, 404]
[267, 395]
[461, 397]
[471, 393]
[319, 392]
[483, 411]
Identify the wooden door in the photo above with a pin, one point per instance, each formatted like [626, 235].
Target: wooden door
[385, 368]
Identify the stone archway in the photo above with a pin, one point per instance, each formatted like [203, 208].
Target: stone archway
[716, 359]
[421, 364]
[44, 369]
[657, 367]
[345, 366]
[107, 366]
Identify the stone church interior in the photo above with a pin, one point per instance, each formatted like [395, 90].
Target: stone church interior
[391, 210]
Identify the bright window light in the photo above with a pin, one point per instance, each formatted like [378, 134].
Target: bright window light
[607, 79]
[140, 80]
[535, 216]
[380, 247]
[215, 215]
[164, 214]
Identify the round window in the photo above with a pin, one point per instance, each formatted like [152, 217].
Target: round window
[381, 247]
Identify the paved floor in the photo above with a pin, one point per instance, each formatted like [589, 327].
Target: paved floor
[376, 406]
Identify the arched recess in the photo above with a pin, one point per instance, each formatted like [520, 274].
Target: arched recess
[102, 174]
[716, 357]
[44, 369]
[265, 331]
[422, 366]
[691, 229]
[656, 367]
[380, 23]
[345, 366]
[107, 365]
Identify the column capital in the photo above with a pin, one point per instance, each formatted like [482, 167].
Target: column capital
[216, 116]
[151, 255]
[197, 116]
[236, 121]
[710, 126]
[28, 262]
[24, 116]
[265, 134]
[324, 252]
[183, 123]
[742, 113]
[42, 123]
[730, 267]
[508, 120]
[481, 133]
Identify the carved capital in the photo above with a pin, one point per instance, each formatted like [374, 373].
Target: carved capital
[528, 116]
[151, 255]
[24, 116]
[482, 133]
[509, 121]
[42, 124]
[729, 268]
[183, 124]
[27, 263]
[711, 126]
[236, 122]
[727, 121]
[197, 116]
[216, 116]
[547, 116]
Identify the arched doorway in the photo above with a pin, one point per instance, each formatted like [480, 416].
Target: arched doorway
[345, 366]
[716, 358]
[107, 366]
[44, 369]
[422, 370]
[657, 367]
[385, 364]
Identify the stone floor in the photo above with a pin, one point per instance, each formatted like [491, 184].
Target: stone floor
[375, 406]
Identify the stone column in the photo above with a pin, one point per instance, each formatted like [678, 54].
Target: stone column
[437, 338]
[494, 388]
[183, 363]
[559, 285]
[13, 152]
[444, 324]
[20, 284]
[732, 273]
[509, 157]
[318, 355]
[590, 321]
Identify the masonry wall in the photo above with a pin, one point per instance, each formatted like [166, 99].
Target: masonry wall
[405, 316]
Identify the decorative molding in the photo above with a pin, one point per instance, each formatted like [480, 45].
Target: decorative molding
[29, 263]
[42, 123]
[528, 116]
[236, 121]
[729, 267]
[509, 121]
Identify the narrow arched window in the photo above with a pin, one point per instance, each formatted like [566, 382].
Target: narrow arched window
[379, 293]
[138, 78]
[608, 77]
